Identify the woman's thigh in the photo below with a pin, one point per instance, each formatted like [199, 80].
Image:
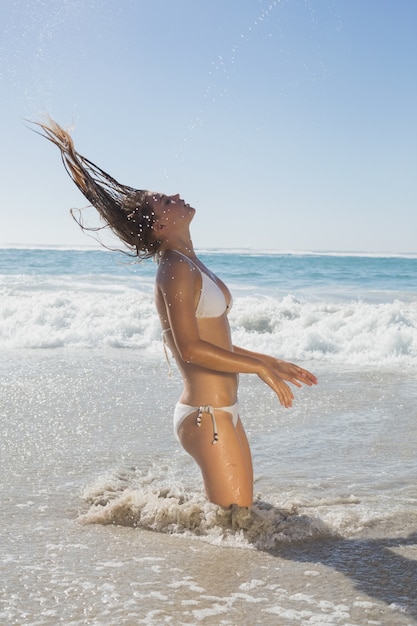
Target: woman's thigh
[226, 466]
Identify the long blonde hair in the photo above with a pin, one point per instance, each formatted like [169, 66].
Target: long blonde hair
[125, 210]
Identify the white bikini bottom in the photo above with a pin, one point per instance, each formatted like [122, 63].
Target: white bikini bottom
[182, 411]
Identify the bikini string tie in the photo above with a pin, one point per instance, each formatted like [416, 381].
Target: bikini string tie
[210, 410]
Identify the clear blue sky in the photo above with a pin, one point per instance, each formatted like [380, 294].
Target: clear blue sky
[288, 124]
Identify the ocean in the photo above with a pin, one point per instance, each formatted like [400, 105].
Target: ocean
[103, 515]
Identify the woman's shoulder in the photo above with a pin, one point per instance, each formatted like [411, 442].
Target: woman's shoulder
[174, 265]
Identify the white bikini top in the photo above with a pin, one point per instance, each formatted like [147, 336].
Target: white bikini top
[212, 301]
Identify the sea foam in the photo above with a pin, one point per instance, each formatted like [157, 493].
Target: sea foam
[149, 503]
[98, 315]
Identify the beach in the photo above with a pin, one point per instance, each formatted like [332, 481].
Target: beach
[104, 518]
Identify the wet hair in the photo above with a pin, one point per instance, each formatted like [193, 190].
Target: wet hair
[125, 210]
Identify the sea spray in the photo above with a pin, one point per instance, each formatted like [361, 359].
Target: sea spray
[127, 499]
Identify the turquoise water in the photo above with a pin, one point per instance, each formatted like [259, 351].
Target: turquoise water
[245, 269]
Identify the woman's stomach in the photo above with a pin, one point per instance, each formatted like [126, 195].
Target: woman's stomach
[205, 384]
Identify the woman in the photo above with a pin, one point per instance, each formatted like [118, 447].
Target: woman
[192, 304]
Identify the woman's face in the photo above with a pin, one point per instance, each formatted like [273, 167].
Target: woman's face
[171, 210]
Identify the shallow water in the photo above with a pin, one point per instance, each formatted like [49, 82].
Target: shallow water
[105, 521]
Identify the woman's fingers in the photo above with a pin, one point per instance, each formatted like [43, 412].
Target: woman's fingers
[285, 394]
[279, 371]
[294, 374]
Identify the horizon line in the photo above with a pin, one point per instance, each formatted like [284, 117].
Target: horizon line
[220, 250]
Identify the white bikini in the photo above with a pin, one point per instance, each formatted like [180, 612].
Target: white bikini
[212, 303]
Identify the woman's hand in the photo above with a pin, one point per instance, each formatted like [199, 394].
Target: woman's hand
[275, 372]
[292, 373]
[274, 380]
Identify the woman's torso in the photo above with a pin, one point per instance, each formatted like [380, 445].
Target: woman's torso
[202, 385]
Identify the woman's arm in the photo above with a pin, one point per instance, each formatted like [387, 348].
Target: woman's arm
[177, 283]
[288, 371]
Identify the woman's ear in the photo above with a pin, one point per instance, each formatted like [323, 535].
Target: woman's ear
[158, 227]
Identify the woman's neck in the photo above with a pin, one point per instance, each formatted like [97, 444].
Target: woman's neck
[185, 246]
